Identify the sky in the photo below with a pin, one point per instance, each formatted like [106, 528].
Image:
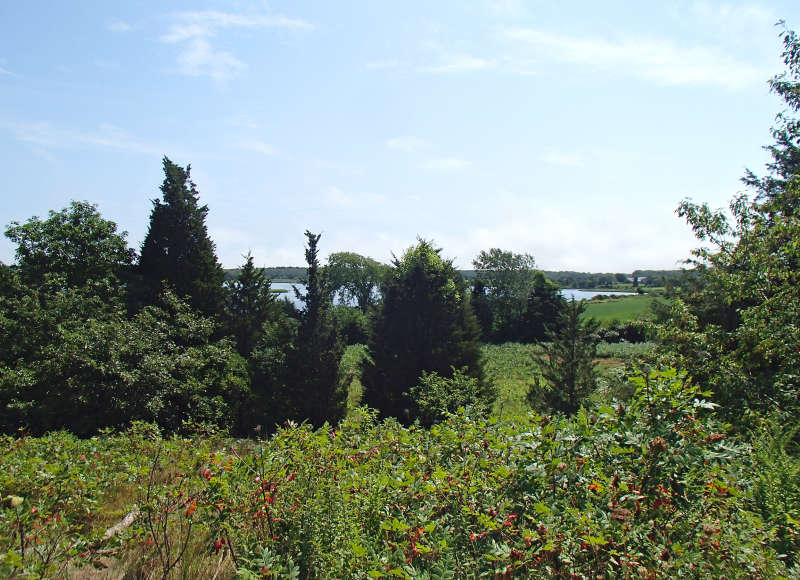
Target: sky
[567, 130]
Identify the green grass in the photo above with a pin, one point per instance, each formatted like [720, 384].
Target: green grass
[623, 309]
[512, 368]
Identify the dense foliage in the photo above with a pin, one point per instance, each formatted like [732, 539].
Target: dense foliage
[654, 488]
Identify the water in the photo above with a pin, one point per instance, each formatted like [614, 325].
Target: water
[568, 293]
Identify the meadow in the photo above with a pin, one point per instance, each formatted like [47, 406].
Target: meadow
[651, 488]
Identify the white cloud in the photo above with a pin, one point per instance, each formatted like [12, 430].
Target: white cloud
[198, 57]
[561, 159]
[406, 144]
[446, 164]
[3, 70]
[458, 63]
[662, 62]
[119, 26]
[259, 146]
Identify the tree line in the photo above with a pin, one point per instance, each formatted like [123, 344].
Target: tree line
[97, 335]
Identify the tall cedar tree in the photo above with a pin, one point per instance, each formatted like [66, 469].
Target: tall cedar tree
[314, 363]
[425, 323]
[248, 306]
[568, 361]
[177, 250]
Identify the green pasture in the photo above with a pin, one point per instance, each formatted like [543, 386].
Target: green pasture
[622, 309]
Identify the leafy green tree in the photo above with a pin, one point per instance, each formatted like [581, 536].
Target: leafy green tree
[508, 279]
[314, 362]
[177, 250]
[568, 363]
[74, 245]
[248, 306]
[355, 278]
[88, 366]
[424, 323]
[734, 328]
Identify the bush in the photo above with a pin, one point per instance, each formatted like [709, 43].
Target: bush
[435, 396]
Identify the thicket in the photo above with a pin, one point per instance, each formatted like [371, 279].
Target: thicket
[651, 488]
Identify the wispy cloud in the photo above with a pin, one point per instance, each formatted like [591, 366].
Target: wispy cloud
[662, 62]
[337, 197]
[209, 22]
[199, 57]
[259, 146]
[119, 26]
[446, 164]
[407, 144]
[3, 70]
[384, 64]
[458, 63]
[43, 134]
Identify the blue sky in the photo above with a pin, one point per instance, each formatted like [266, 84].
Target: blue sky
[570, 131]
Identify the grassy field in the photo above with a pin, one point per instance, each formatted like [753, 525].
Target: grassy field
[623, 309]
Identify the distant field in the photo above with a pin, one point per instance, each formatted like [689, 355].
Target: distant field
[624, 309]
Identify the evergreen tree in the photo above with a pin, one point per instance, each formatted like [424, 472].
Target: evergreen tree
[314, 362]
[425, 323]
[248, 306]
[177, 250]
[568, 360]
[543, 309]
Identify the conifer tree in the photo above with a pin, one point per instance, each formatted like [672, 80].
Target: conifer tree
[568, 362]
[248, 305]
[177, 250]
[314, 363]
